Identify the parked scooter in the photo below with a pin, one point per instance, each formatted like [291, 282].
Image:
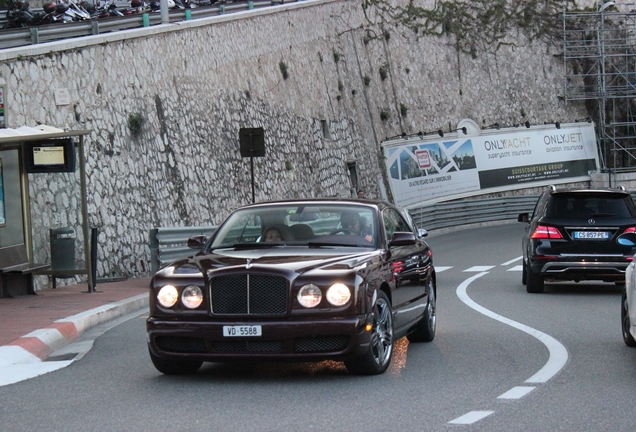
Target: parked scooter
[155, 5]
[20, 15]
[76, 12]
[136, 6]
[106, 9]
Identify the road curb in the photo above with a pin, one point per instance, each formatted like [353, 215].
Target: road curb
[39, 344]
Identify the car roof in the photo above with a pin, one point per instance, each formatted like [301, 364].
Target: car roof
[588, 191]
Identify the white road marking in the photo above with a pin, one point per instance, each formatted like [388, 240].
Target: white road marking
[512, 260]
[17, 364]
[439, 269]
[516, 392]
[558, 353]
[516, 268]
[556, 361]
[478, 269]
[471, 417]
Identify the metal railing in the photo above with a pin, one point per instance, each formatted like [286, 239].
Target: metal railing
[457, 213]
[169, 244]
[11, 38]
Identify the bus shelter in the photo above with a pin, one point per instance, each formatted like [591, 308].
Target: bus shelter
[28, 155]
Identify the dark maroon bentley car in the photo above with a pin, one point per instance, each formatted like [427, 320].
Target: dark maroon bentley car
[301, 280]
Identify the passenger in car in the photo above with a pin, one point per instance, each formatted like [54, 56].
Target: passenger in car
[277, 233]
[271, 234]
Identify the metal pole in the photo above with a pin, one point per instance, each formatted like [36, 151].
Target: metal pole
[91, 286]
[252, 171]
[82, 168]
[165, 17]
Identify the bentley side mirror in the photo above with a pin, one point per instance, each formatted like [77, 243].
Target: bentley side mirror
[197, 242]
[402, 239]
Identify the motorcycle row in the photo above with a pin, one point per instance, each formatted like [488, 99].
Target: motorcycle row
[19, 14]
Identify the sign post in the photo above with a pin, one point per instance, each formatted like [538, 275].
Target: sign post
[252, 142]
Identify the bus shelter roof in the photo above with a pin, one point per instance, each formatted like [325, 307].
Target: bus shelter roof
[27, 133]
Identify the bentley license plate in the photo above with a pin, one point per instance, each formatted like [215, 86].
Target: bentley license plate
[591, 235]
[249, 330]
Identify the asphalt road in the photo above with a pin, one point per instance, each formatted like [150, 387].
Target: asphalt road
[502, 360]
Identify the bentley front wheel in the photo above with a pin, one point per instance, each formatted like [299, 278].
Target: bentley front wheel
[378, 357]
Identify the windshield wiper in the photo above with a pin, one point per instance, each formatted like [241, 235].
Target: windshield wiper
[258, 245]
[250, 245]
[327, 244]
[602, 215]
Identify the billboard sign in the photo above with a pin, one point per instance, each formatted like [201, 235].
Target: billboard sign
[421, 169]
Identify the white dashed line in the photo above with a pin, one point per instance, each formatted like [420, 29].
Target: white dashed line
[516, 392]
[516, 268]
[512, 260]
[477, 269]
[439, 269]
[471, 417]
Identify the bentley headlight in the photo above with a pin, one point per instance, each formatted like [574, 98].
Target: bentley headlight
[309, 296]
[168, 296]
[338, 294]
[192, 296]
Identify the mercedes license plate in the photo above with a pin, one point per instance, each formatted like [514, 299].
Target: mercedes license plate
[245, 330]
[591, 235]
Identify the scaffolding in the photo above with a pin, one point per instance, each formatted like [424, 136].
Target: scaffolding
[599, 52]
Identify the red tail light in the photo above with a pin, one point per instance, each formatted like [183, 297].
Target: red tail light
[546, 232]
[630, 230]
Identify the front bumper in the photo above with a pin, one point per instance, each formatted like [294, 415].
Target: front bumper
[305, 340]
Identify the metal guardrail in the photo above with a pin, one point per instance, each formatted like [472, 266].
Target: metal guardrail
[457, 213]
[11, 38]
[169, 244]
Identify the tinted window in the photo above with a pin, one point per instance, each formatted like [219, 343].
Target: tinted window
[393, 221]
[297, 223]
[584, 206]
[539, 205]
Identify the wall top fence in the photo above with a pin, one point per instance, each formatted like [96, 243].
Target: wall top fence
[66, 36]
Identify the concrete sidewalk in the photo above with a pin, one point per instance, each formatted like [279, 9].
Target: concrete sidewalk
[34, 326]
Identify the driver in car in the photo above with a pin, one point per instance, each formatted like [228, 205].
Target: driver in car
[352, 222]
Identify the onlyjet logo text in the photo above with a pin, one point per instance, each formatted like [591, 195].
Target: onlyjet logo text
[563, 142]
[503, 148]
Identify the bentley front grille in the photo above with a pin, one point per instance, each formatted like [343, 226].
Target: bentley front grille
[249, 295]
[321, 344]
[179, 344]
[248, 346]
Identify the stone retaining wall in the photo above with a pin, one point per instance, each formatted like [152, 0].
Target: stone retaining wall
[301, 71]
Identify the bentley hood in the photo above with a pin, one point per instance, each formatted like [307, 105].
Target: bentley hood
[290, 258]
